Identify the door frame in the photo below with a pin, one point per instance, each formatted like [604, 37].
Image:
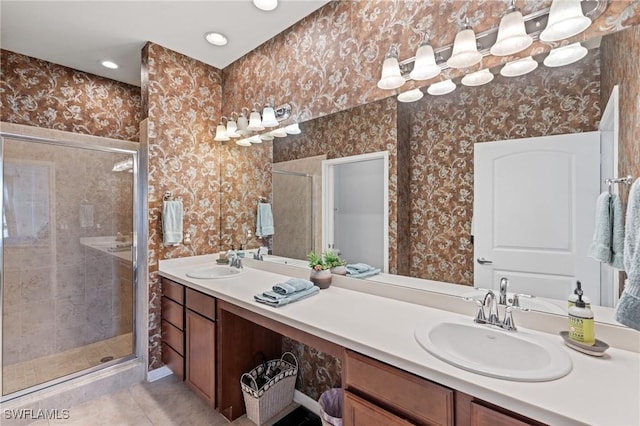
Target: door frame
[328, 191]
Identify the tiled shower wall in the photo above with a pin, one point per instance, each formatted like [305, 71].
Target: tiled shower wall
[58, 293]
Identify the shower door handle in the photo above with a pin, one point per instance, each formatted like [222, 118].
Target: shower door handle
[483, 261]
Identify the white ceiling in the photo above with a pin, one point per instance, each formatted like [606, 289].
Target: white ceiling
[80, 34]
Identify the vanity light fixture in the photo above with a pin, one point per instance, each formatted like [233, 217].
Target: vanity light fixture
[217, 39]
[243, 142]
[520, 67]
[441, 88]
[232, 128]
[269, 116]
[425, 66]
[465, 49]
[266, 136]
[565, 20]
[109, 64]
[512, 34]
[477, 78]
[255, 139]
[293, 129]
[255, 121]
[243, 123]
[279, 133]
[221, 133]
[266, 5]
[565, 55]
[391, 77]
[411, 95]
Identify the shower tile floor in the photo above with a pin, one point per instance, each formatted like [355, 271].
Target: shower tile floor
[30, 373]
[165, 402]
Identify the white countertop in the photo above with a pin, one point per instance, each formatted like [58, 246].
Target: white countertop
[599, 391]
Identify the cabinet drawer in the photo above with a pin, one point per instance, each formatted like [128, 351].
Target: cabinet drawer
[483, 416]
[358, 412]
[173, 337]
[173, 312]
[201, 303]
[418, 399]
[173, 360]
[173, 291]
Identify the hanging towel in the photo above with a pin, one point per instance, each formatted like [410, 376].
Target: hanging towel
[86, 215]
[172, 222]
[264, 220]
[628, 309]
[292, 285]
[285, 300]
[608, 238]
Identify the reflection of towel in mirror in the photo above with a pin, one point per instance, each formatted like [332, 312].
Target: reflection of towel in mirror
[172, 222]
[276, 300]
[608, 237]
[292, 285]
[264, 220]
[628, 309]
[361, 270]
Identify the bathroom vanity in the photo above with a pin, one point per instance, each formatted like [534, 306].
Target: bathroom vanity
[388, 378]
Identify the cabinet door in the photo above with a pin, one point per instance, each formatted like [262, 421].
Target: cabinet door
[483, 416]
[200, 356]
[358, 412]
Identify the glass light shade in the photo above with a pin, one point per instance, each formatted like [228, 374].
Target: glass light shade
[293, 129]
[255, 122]
[269, 117]
[266, 136]
[520, 67]
[465, 51]
[279, 133]
[441, 88]
[477, 78]
[243, 142]
[221, 133]
[565, 20]
[243, 123]
[255, 139]
[565, 55]
[425, 66]
[265, 5]
[232, 128]
[512, 35]
[410, 95]
[391, 77]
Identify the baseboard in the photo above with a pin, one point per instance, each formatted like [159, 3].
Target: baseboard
[158, 373]
[307, 402]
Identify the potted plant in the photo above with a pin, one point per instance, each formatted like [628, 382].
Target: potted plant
[336, 264]
[320, 272]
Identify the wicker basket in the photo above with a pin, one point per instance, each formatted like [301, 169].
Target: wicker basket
[267, 401]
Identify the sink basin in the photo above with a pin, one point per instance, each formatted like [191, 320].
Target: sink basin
[486, 350]
[534, 304]
[215, 272]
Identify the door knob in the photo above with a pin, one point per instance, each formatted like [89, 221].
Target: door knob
[483, 261]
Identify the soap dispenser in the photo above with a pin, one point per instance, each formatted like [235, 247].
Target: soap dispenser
[581, 328]
[574, 296]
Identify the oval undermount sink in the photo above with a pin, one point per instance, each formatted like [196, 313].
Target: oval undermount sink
[518, 356]
[215, 272]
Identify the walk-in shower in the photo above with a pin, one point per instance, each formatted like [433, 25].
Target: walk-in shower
[68, 259]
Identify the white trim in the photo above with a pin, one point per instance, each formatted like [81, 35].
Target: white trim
[158, 373]
[327, 198]
[306, 401]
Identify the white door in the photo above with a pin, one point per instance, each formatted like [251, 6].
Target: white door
[534, 214]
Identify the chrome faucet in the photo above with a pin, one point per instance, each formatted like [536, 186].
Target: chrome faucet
[491, 301]
[494, 318]
[504, 283]
[235, 261]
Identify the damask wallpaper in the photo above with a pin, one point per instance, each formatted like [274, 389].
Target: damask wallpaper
[41, 94]
[443, 132]
[331, 60]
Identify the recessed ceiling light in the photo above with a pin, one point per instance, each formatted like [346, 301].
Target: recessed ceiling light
[266, 5]
[216, 39]
[109, 64]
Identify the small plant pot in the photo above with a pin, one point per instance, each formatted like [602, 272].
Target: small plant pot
[339, 270]
[321, 278]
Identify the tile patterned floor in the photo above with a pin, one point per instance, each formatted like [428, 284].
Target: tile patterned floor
[165, 402]
[26, 374]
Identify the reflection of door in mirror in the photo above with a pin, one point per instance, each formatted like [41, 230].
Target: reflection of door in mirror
[27, 193]
[535, 199]
[355, 219]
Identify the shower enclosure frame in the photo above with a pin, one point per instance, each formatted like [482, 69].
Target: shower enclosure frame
[140, 235]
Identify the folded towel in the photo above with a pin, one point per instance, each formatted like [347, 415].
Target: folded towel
[172, 222]
[628, 308]
[292, 285]
[364, 274]
[608, 238]
[264, 220]
[285, 300]
[358, 268]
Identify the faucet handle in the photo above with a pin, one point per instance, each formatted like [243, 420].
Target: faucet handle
[516, 300]
[480, 316]
[508, 323]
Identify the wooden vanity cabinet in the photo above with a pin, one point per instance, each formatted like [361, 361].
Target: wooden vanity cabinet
[172, 324]
[358, 411]
[471, 411]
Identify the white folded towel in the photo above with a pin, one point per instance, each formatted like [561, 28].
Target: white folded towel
[172, 222]
[264, 220]
[628, 308]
